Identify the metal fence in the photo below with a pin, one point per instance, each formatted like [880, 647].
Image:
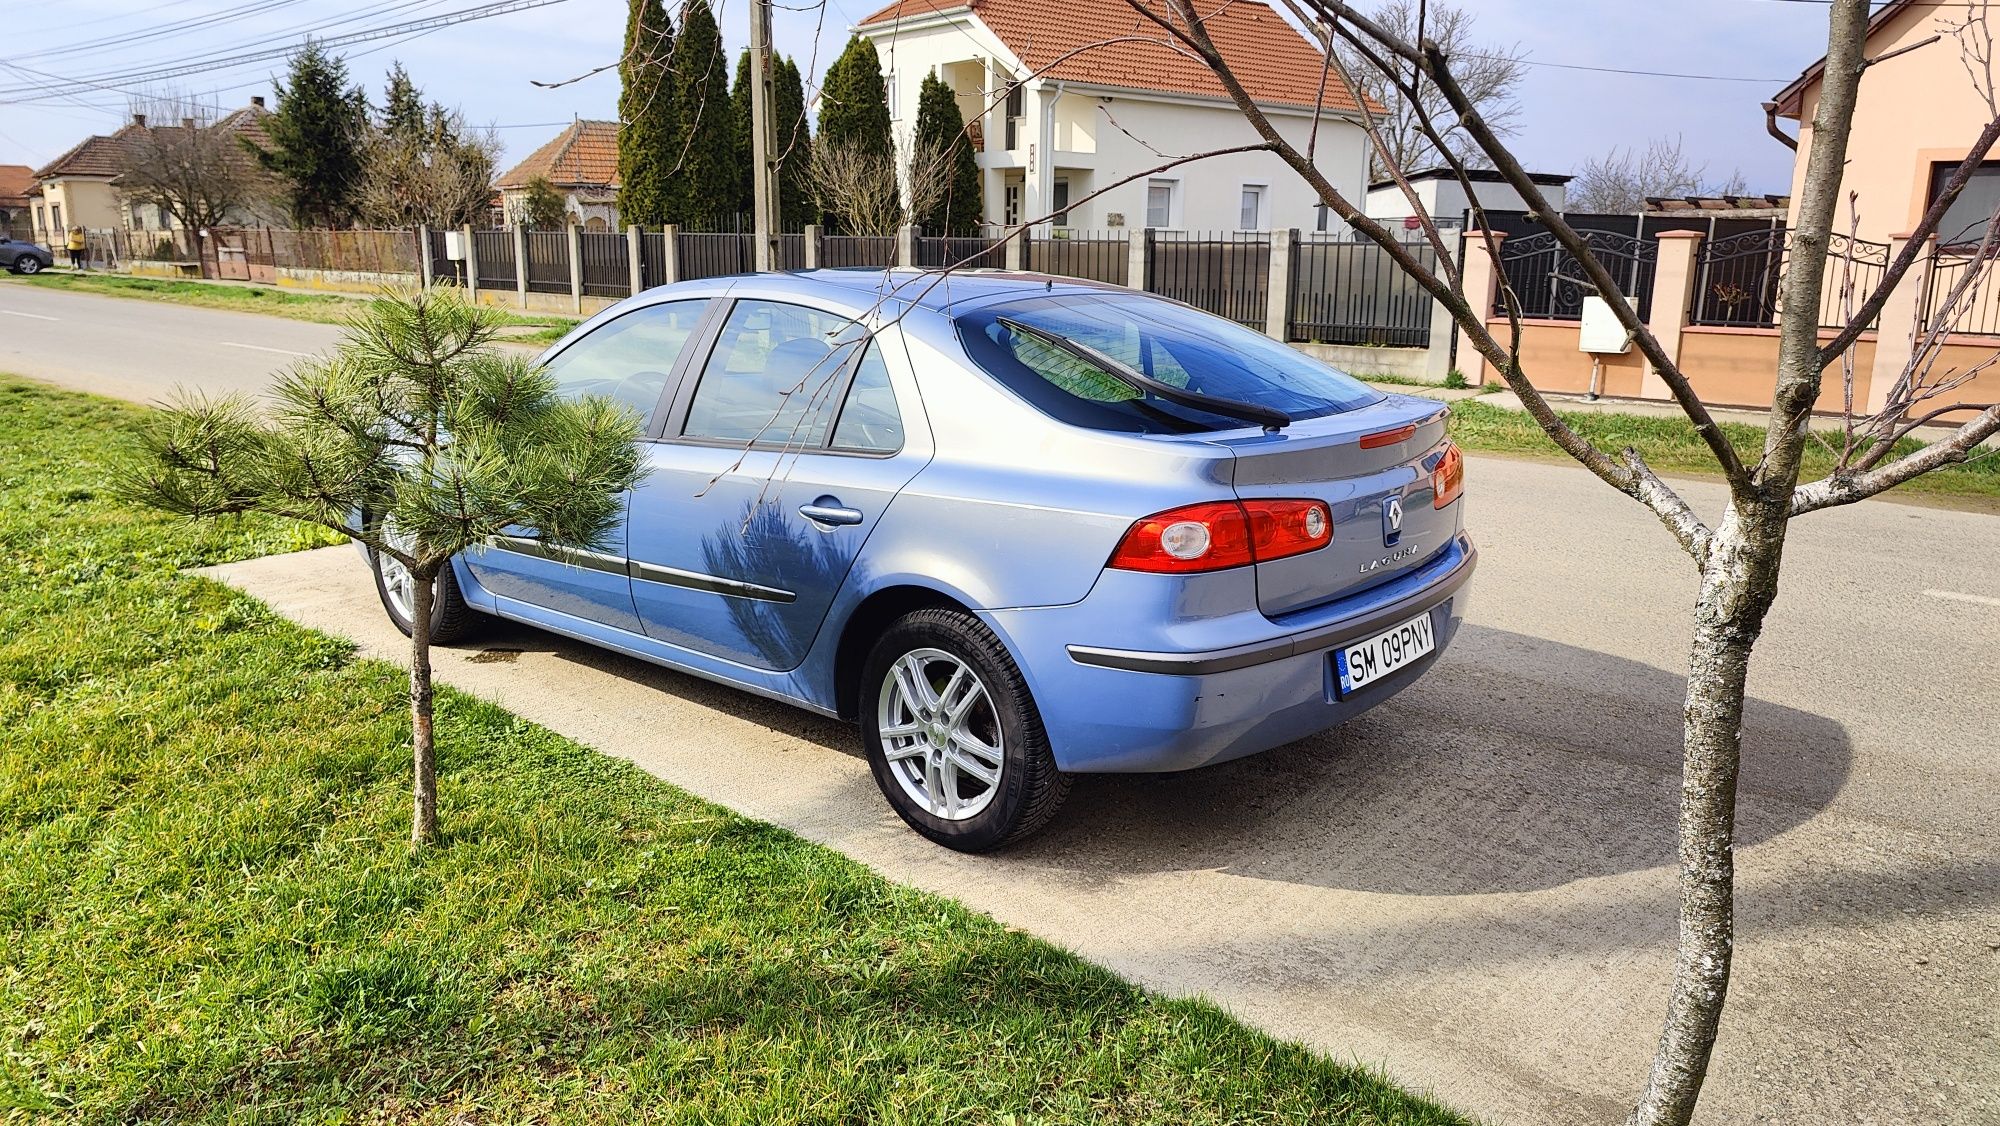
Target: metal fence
[1225, 273]
[548, 261]
[1104, 256]
[705, 255]
[1549, 283]
[1962, 295]
[1346, 292]
[968, 252]
[1737, 278]
[874, 251]
[494, 254]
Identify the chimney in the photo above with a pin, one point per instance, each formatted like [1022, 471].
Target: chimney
[257, 100]
[139, 119]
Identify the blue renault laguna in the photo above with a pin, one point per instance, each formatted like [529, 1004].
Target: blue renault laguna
[1019, 527]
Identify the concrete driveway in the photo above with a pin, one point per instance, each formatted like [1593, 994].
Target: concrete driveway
[1472, 886]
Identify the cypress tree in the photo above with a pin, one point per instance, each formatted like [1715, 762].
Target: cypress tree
[703, 172]
[854, 104]
[941, 131]
[403, 113]
[739, 129]
[648, 126]
[795, 142]
[317, 135]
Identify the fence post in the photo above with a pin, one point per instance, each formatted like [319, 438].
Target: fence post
[1674, 274]
[521, 264]
[634, 250]
[1135, 257]
[1278, 288]
[1482, 285]
[813, 232]
[1896, 328]
[1014, 252]
[575, 266]
[906, 245]
[670, 266]
[471, 263]
[424, 255]
[1444, 333]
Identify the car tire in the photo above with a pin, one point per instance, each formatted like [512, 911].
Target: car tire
[451, 618]
[911, 749]
[26, 264]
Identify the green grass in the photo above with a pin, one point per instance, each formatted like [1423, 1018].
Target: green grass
[208, 912]
[323, 308]
[1671, 445]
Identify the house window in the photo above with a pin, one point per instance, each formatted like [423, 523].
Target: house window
[55, 218]
[1250, 215]
[1319, 224]
[895, 96]
[1964, 222]
[1160, 202]
[1061, 207]
[1016, 109]
[1011, 206]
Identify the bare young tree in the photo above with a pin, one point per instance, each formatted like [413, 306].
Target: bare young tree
[1489, 74]
[1738, 558]
[1620, 181]
[439, 172]
[858, 185]
[190, 163]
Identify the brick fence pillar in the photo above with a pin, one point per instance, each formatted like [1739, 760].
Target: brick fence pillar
[1896, 328]
[1482, 286]
[1674, 273]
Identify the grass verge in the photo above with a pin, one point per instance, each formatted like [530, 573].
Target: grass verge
[208, 913]
[1671, 446]
[324, 308]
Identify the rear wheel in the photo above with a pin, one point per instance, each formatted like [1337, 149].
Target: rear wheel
[954, 739]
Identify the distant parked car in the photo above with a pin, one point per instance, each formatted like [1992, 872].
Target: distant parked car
[1016, 526]
[25, 257]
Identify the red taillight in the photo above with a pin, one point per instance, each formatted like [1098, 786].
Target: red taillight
[1387, 437]
[1448, 478]
[1222, 534]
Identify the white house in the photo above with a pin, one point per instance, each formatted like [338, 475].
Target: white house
[1444, 198]
[1072, 102]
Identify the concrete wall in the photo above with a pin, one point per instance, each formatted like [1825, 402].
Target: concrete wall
[1405, 363]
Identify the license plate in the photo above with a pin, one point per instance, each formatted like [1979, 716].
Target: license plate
[1362, 663]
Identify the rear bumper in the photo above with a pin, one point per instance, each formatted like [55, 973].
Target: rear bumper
[1111, 709]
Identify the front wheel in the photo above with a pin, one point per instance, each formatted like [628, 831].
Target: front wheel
[954, 738]
[451, 618]
[27, 264]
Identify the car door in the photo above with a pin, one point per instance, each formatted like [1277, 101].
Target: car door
[781, 454]
[631, 358]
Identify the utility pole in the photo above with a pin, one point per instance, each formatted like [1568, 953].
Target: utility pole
[763, 140]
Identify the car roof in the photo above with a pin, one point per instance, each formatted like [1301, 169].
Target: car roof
[937, 290]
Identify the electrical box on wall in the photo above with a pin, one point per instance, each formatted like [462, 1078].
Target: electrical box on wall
[454, 246]
[1600, 330]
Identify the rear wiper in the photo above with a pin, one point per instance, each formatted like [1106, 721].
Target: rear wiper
[1266, 417]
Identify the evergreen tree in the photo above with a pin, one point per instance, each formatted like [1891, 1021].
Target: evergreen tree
[940, 137]
[317, 136]
[703, 172]
[740, 131]
[794, 151]
[403, 113]
[854, 104]
[649, 136]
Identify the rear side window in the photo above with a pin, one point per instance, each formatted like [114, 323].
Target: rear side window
[1183, 347]
[628, 359]
[773, 376]
[870, 421]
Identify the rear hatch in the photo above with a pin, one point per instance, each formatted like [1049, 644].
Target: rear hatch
[1325, 459]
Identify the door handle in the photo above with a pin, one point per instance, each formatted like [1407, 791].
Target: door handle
[828, 510]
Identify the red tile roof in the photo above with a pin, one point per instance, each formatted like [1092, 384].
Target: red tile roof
[104, 156]
[1116, 46]
[15, 180]
[583, 155]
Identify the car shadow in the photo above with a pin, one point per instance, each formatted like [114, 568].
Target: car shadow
[1516, 764]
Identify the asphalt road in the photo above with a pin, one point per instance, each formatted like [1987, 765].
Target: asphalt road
[1472, 885]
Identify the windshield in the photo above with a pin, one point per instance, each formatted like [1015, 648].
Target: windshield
[1176, 345]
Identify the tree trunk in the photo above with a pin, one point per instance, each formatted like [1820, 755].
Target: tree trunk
[1737, 588]
[423, 822]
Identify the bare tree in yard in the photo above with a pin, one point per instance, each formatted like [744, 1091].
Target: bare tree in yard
[1488, 74]
[416, 440]
[1620, 181]
[857, 184]
[435, 170]
[1738, 558]
[189, 164]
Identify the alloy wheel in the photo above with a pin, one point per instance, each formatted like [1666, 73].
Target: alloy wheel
[941, 734]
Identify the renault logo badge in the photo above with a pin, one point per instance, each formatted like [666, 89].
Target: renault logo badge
[1392, 521]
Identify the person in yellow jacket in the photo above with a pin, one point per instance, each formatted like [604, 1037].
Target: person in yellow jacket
[76, 245]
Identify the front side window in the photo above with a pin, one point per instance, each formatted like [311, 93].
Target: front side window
[1183, 347]
[775, 370]
[629, 359]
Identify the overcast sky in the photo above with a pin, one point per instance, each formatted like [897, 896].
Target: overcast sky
[485, 67]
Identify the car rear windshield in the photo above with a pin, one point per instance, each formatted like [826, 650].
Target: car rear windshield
[1170, 343]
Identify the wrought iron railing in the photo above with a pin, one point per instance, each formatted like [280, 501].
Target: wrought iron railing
[1737, 278]
[1962, 295]
[1550, 284]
